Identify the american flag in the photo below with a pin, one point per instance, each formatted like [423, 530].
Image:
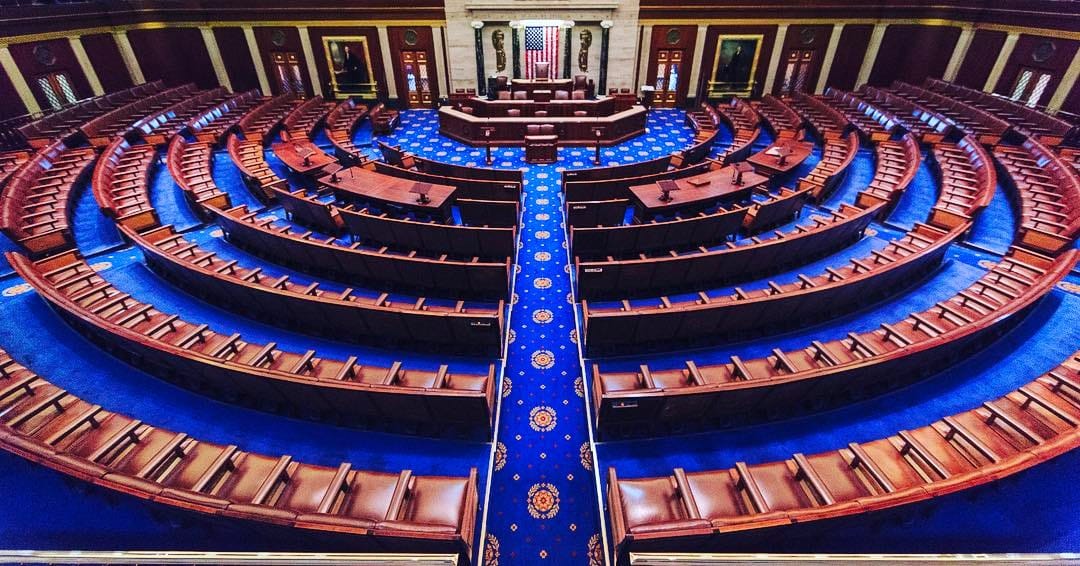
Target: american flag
[542, 44]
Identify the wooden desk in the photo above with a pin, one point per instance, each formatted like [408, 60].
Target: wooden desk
[769, 164]
[694, 195]
[530, 85]
[357, 183]
[303, 158]
[468, 128]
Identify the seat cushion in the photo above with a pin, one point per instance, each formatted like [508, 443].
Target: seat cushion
[436, 500]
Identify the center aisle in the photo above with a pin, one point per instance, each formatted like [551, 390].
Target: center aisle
[543, 505]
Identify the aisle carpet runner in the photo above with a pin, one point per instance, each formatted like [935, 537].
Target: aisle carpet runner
[543, 506]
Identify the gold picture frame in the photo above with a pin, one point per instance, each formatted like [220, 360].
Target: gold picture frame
[346, 78]
[736, 79]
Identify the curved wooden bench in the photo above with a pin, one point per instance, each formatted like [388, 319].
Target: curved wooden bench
[678, 233]
[927, 126]
[50, 426]
[341, 124]
[10, 161]
[1050, 130]
[101, 130]
[304, 306]
[875, 125]
[1049, 195]
[196, 357]
[734, 260]
[745, 124]
[658, 165]
[467, 277]
[467, 188]
[34, 209]
[121, 184]
[967, 179]
[431, 237]
[699, 511]
[619, 187]
[836, 158]
[156, 127]
[828, 122]
[823, 374]
[189, 165]
[249, 157]
[211, 125]
[260, 123]
[897, 164]
[982, 125]
[783, 121]
[65, 123]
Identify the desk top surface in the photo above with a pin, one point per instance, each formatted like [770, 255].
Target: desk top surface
[370, 185]
[769, 160]
[293, 154]
[700, 189]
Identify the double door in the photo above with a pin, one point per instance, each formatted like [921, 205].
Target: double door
[668, 77]
[416, 71]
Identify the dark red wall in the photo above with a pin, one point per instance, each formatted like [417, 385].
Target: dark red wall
[1022, 56]
[12, 105]
[105, 56]
[849, 56]
[374, 50]
[236, 57]
[795, 40]
[712, 36]
[424, 42]
[174, 55]
[31, 68]
[910, 53]
[264, 39]
[983, 51]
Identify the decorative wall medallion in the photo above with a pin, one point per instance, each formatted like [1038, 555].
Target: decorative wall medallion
[807, 36]
[673, 36]
[277, 37]
[411, 37]
[1043, 51]
[44, 55]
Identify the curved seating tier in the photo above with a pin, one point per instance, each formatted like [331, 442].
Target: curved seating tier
[121, 184]
[682, 232]
[836, 158]
[652, 166]
[1050, 130]
[305, 118]
[897, 164]
[211, 125]
[34, 209]
[774, 307]
[781, 119]
[824, 374]
[467, 188]
[260, 123]
[101, 130]
[296, 149]
[698, 511]
[612, 188]
[705, 122]
[468, 277]
[775, 209]
[341, 123]
[927, 126]
[304, 306]
[50, 426]
[967, 180]
[465, 172]
[874, 124]
[196, 357]
[1070, 156]
[705, 267]
[745, 124]
[828, 122]
[249, 157]
[157, 127]
[431, 237]
[10, 161]
[189, 165]
[62, 124]
[985, 127]
[1049, 193]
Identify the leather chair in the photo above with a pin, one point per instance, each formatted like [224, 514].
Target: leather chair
[541, 70]
[503, 95]
[562, 95]
[501, 82]
[540, 114]
[521, 95]
[581, 82]
[580, 113]
[578, 95]
[513, 113]
[541, 143]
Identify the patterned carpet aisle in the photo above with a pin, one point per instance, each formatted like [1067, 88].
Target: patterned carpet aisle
[543, 506]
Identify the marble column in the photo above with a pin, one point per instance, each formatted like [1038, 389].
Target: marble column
[481, 83]
[605, 38]
[22, 88]
[569, 46]
[84, 62]
[515, 36]
[1002, 59]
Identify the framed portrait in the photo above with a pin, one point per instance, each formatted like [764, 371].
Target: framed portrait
[735, 65]
[349, 62]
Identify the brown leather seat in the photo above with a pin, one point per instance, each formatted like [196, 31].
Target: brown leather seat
[503, 95]
[542, 70]
[562, 95]
[578, 95]
[541, 113]
[521, 95]
[513, 113]
[580, 113]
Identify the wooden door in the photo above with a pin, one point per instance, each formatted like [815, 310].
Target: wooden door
[668, 77]
[798, 64]
[414, 66]
[287, 76]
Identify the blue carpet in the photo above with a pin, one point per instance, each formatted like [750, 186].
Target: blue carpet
[169, 201]
[917, 200]
[92, 229]
[995, 226]
[227, 178]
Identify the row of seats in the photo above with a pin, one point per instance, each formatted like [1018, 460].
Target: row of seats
[296, 148]
[874, 124]
[836, 158]
[101, 130]
[431, 237]
[473, 183]
[618, 187]
[341, 124]
[189, 165]
[706, 125]
[388, 511]
[1049, 192]
[64, 123]
[827, 373]
[10, 161]
[34, 208]
[156, 128]
[1050, 130]
[196, 357]
[966, 178]
[455, 278]
[781, 119]
[474, 328]
[705, 267]
[121, 184]
[745, 125]
[211, 125]
[678, 233]
[927, 126]
[384, 120]
[982, 125]
[249, 157]
[708, 510]
[260, 123]
[827, 121]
